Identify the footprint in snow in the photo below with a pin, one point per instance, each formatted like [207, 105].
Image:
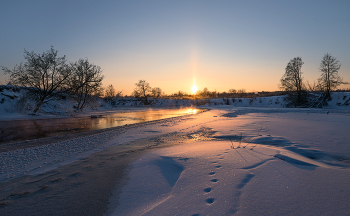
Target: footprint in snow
[207, 190]
[214, 180]
[211, 173]
[217, 167]
[210, 200]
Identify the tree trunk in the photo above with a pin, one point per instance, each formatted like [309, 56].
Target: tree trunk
[38, 106]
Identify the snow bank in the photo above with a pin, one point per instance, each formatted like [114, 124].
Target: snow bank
[14, 104]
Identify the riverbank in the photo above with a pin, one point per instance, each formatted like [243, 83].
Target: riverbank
[63, 128]
[56, 184]
[15, 106]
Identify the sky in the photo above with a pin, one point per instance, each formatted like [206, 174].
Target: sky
[219, 44]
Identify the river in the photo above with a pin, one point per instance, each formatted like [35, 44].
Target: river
[19, 130]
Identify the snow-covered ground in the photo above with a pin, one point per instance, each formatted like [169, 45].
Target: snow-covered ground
[256, 160]
[242, 161]
[288, 162]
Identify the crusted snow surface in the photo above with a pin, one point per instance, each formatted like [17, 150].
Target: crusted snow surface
[261, 163]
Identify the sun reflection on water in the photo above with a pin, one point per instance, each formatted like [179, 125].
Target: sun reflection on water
[34, 129]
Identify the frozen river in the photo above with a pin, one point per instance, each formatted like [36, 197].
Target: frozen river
[19, 130]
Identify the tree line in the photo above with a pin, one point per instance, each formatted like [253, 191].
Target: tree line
[144, 91]
[293, 81]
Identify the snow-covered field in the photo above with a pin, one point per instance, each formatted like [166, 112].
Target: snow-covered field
[227, 161]
[288, 162]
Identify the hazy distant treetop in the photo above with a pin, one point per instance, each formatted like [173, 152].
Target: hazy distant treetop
[142, 89]
[232, 91]
[241, 91]
[110, 92]
[180, 94]
[157, 92]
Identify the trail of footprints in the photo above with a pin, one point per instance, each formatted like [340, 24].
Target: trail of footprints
[214, 180]
[211, 200]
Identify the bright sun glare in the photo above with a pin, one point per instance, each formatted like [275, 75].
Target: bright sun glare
[194, 89]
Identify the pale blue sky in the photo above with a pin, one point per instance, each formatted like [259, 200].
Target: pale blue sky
[171, 44]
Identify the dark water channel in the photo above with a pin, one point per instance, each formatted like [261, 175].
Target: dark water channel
[19, 130]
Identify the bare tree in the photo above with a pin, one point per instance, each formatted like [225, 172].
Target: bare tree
[232, 91]
[157, 92]
[98, 92]
[313, 87]
[45, 73]
[179, 94]
[119, 94]
[206, 93]
[292, 79]
[110, 92]
[85, 81]
[329, 79]
[142, 89]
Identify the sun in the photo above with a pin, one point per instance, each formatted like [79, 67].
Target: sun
[194, 89]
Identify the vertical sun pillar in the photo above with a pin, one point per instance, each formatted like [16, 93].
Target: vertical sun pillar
[194, 62]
